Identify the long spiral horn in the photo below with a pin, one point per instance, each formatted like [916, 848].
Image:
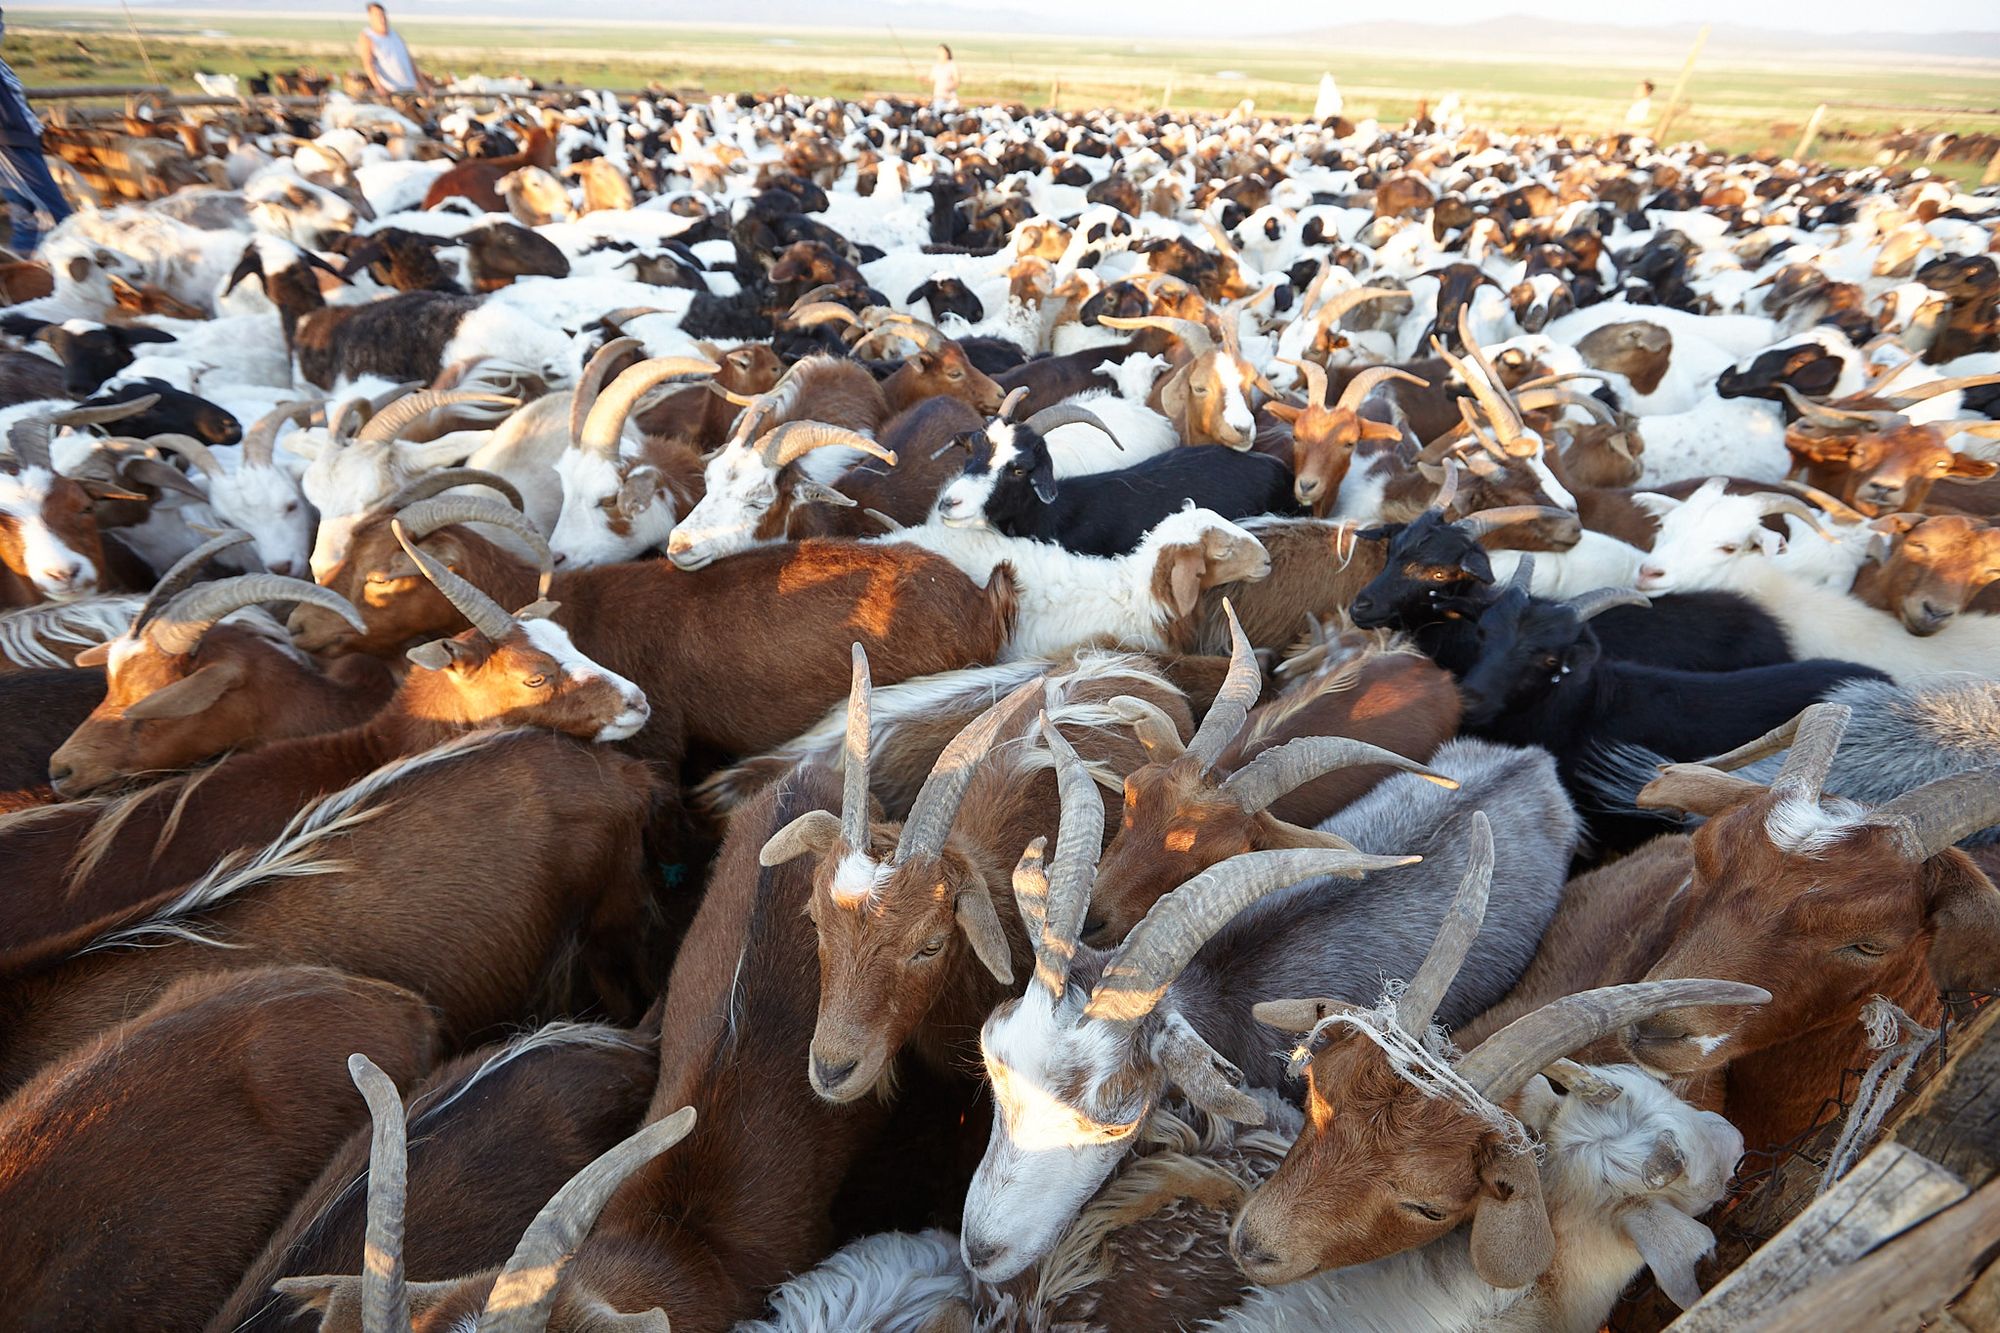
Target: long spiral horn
[482, 611]
[388, 425]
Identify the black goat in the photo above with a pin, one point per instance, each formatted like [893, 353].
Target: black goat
[1010, 482]
[89, 356]
[173, 412]
[42, 707]
[948, 296]
[1807, 366]
[1436, 579]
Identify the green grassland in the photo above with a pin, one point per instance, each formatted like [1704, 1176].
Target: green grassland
[1735, 105]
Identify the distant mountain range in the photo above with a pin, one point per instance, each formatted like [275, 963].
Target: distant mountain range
[1506, 37]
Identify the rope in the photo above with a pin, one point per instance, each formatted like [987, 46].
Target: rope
[1882, 1084]
[1423, 1061]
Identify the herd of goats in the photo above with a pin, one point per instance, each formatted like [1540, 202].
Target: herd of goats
[800, 715]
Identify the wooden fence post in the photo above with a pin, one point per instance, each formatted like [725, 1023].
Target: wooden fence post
[1812, 132]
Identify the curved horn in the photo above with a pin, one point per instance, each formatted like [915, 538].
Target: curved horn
[444, 479]
[1477, 525]
[795, 439]
[1054, 901]
[1925, 392]
[1524, 574]
[1536, 400]
[393, 393]
[1241, 687]
[1066, 414]
[854, 785]
[1340, 303]
[388, 425]
[180, 577]
[188, 447]
[1486, 385]
[29, 440]
[1418, 1004]
[1369, 380]
[345, 417]
[606, 421]
[482, 611]
[936, 807]
[525, 1291]
[1447, 490]
[180, 624]
[1314, 375]
[823, 312]
[1502, 1064]
[1830, 505]
[1282, 768]
[260, 442]
[1599, 600]
[1176, 926]
[385, 1300]
[1012, 403]
[1843, 418]
[591, 382]
[1220, 237]
[104, 413]
[1932, 817]
[425, 517]
[1200, 342]
[1150, 723]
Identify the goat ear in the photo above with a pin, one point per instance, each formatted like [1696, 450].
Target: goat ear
[1658, 506]
[434, 656]
[95, 655]
[190, 694]
[1769, 542]
[1697, 789]
[1185, 566]
[1173, 397]
[1965, 924]
[641, 484]
[1671, 1243]
[816, 832]
[607, 1320]
[1274, 834]
[1285, 412]
[981, 924]
[336, 1296]
[1380, 430]
[811, 492]
[1965, 465]
[1512, 1243]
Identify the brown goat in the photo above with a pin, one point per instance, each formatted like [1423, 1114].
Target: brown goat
[1324, 437]
[699, 414]
[183, 687]
[1317, 565]
[1936, 569]
[240, 1079]
[1826, 902]
[546, 1104]
[1866, 452]
[478, 180]
[940, 367]
[1194, 806]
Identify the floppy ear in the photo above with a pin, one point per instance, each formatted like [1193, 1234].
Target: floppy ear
[1965, 465]
[1380, 430]
[811, 492]
[981, 924]
[1285, 412]
[1671, 1243]
[1965, 924]
[1184, 569]
[1044, 478]
[1173, 396]
[95, 655]
[1478, 564]
[1200, 1071]
[641, 484]
[1698, 790]
[1512, 1244]
[1658, 506]
[438, 655]
[190, 694]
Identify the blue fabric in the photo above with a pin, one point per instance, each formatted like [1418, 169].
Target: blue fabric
[26, 184]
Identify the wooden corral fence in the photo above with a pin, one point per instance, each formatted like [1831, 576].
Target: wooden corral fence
[1909, 1238]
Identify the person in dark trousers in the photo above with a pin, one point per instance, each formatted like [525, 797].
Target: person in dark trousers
[24, 177]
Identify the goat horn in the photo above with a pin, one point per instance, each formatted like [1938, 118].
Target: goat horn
[822, 312]
[425, 517]
[260, 443]
[1925, 392]
[1599, 600]
[606, 420]
[188, 447]
[1502, 1064]
[1220, 237]
[1054, 900]
[1337, 307]
[936, 807]
[1175, 927]
[896, 324]
[823, 292]
[337, 428]
[1932, 817]
[104, 413]
[1012, 402]
[1582, 1081]
[29, 440]
[1369, 380]
[591, 382]
[854, 786]
[445, 478]
[482, 611]
[388, 425]
[1535, 400]
[1233, 702]
[1830, 505]
[1314, 375]
[1524, 574]
[1282, 768]
[180, 624]
[385, 1299]
[1067, 414]
[1448, 491]
[394, 393]
[1418, 1004]
[1150, 723]
[1773, 504]
[1485, 521]
[525, 1291]
[618, 317]
[1485, 385]
[1846, 419]
[795, 439]
[1813, 738]
[1199, 340]
[181, 576]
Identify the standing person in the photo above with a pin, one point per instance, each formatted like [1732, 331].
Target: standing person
[385, 59]
[944, 81]
[24, 177]
[1640, 114]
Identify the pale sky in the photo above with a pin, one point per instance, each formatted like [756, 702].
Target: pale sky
[1811, 15]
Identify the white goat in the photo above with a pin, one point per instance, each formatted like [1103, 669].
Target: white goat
[1704, 536]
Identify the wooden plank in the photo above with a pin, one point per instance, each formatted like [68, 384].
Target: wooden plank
[1955, 1119]
[1888, 1191]
[1904, 1282]
[1978, 1310]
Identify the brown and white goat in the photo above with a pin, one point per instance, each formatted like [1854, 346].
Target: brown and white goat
[1937, 568]
[1258, 778]
[243, 1074]
[50, 547]
[1823, 900]
[1865, 451]
[1316, 568]
[1324, 437]
[909, 931]
[183, 687]
[1208, 396]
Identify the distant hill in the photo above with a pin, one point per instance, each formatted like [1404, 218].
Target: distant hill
[1517, 32]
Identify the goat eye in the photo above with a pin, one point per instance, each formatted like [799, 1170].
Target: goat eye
[1727, 548]
[1866, 949]
[932, 948]
[292, 508]
[536, 682]
[1426, 1211]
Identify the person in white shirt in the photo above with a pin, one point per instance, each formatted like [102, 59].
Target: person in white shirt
[385, 58]
[944, 80]
[1640, 114]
